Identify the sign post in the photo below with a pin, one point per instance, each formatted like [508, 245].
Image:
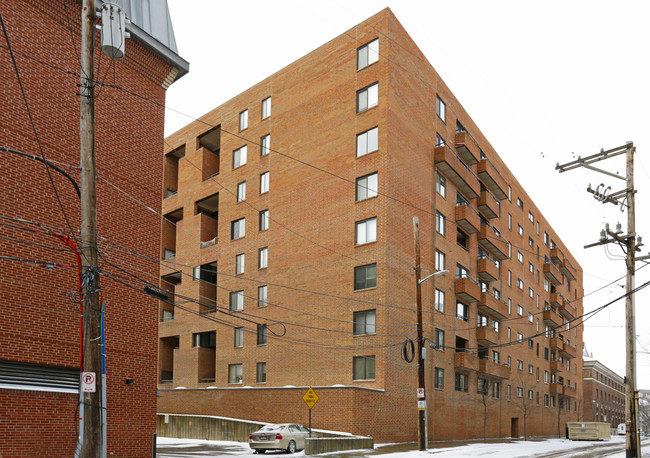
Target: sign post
[310, 398]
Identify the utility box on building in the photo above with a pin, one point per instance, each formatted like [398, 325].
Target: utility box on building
[588, 431]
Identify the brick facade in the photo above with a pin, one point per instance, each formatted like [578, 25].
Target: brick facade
[603, 394]
[312, 256]
[39, 318]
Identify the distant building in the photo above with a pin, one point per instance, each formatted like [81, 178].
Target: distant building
[39, 275]
[603, 396]
[288, 257]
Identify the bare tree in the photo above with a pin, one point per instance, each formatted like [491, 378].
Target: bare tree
[487, 393]
[644, 414]
[524, 400]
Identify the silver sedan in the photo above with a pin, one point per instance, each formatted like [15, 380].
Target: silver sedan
[285, 436]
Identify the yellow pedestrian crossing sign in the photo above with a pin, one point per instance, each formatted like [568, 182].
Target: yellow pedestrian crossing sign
[310, 397]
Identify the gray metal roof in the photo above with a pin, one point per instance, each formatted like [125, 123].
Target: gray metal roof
[151, 25]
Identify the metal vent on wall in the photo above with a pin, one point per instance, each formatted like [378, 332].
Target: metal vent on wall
[38, 377]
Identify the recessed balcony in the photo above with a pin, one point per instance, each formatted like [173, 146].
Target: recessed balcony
[552, 273]
[486, 335]
[467, 361]
[493, 243]
[467, 219]
[457, 171]
[467, 148]
[467, 290]
[492, 179]
[494, 369]
[488, 205]
[492, 306]
[487, 270]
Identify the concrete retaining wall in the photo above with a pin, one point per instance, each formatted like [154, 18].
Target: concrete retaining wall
[315, 446]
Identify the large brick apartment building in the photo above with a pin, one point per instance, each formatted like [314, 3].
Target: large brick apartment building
[603, 394]
[289, 260]
[39, 273]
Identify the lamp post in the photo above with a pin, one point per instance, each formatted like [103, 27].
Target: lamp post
[422, 400]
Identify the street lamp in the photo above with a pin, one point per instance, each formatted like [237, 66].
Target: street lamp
[422, 402]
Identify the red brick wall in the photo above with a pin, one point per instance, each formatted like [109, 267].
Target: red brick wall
[38, 320]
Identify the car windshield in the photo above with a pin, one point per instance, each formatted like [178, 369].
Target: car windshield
[272, 428]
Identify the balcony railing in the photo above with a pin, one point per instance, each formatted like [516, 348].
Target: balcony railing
[552, 273]
[487, 270]
[487, 335]
[492, 306]
[568, 350]
[467, 361]
[488, 205]
[556, 388]
[568, 310]
[449, 163]
[467, 289]
[467, 147]
[492, 243]
[492, 179]
[556, 366]
[467, 219]
[487, 366]
[552, 318]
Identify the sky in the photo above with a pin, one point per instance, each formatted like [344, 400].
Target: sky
[544, 81]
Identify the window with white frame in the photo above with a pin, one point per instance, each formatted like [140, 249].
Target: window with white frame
[531, 319]
[236, 301]
[520, 365]
[363, 368]
[261, 373]
[365, 277]
[241, 191]
[520, 337]
[261, 334]
[520, 230]
[239, 156]
[520, 392]
[520, 257]
[263, 258]
[368, 142]
[243, 120]
[520, 310]
[531, 217]
[367, 186]
[265, 145]
[520, 284]
[520, 203]
[441, 185]
[264, 219]
[440, 260]
[262, 295]
[240, 261]
[368, 54]
[531, 268]
[441, 109]
[266, 107]
[462, 311]
[264, 182]
[365, 322]
[235, 373]
[440, 300]
[365, 231]
[439, 380]
[509, 221]
[238, 229]
[439, 339]
[239, 337]
[531, 293]
[441, 223]
[461, 382]
[367, 97]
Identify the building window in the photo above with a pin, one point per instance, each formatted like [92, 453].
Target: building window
[441, 185]
[461, 382]
[439, 380]
[264, 220]
[520, 365]
[239, 337]
[441, 223]
[531, 268]
[368, 142]
[530, 394]
[440, 260]
[440, 301]
[243, 120]
[261, 334]
[462, 239]
[368, 54]
[365, 277]
[520, 337]
[365, 231]
[241, 191]
[262, 295]
[439, 339]
[265, 145]
[461, 272]
[205, 339]
[263, 258]
[365, 322]
[367, 97]
[520, 257]
[509, 221]
[546, 400]
[264, 182]
[441, 109]
[520, 392]
[240, 262]
[236, 301]
[546, 238]
[439, 140]
[238, 229]
[531, 217]
[520, 203]
[261, 373]
[367, 187]
[520, 284]
[462, 311]
[235, 373]
[508, 392]
[239, 156]
[363, 368]
[266, 107]
[531, 369]
[520, 230]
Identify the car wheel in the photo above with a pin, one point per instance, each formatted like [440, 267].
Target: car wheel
[292, 447]
[259, 450]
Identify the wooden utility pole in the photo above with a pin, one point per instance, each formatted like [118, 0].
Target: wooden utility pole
[625, 199]
[422, 400]
[91, 308]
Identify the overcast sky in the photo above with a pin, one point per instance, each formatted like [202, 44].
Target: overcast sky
[542, 80]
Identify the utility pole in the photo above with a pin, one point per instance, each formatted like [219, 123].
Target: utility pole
[422, 400]
[624, 199]
[92, 349]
